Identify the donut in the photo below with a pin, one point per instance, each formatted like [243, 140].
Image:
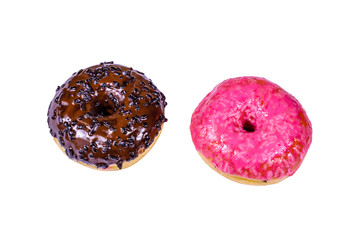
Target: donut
[107, 116]
[251, 131]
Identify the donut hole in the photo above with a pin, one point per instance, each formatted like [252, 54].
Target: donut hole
[248, 126]
[102, 109]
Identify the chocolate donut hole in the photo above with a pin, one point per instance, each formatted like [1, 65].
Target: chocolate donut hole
[102, 109]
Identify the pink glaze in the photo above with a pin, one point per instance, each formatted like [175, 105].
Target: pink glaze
[282, 131]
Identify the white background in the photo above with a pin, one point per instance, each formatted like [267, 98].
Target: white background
[310, 48]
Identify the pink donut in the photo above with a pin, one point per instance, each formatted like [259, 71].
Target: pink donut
[251, 131]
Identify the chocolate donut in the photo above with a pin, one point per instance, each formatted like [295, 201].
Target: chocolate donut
[107, 116]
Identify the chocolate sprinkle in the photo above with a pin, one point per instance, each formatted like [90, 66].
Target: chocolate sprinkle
[105, 114]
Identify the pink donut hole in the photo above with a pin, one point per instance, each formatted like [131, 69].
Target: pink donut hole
[248, 126]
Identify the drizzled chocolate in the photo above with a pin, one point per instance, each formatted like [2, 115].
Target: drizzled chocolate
[106, 114]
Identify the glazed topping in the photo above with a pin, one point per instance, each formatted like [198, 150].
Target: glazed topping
[106, 114]
[252, 128]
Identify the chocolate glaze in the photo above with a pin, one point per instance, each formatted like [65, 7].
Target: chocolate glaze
[105, 114]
